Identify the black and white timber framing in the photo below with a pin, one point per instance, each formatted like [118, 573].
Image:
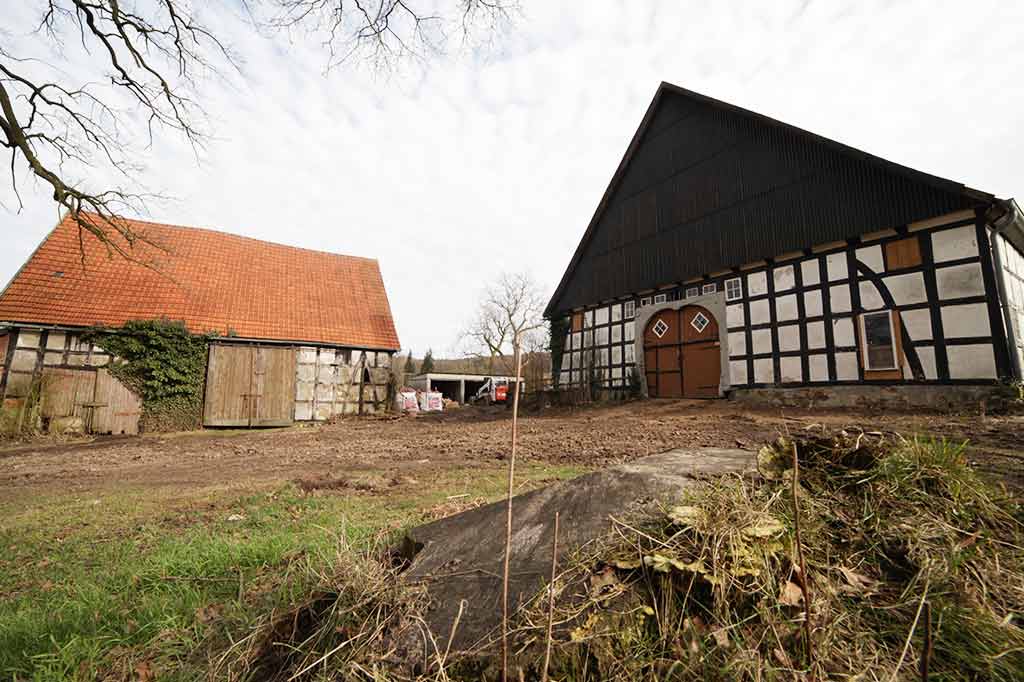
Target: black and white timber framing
[801, 237]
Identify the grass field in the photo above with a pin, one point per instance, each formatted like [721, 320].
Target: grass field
[130, 585]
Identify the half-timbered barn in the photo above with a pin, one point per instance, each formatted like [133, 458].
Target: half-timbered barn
[732, 251]
[296, 334]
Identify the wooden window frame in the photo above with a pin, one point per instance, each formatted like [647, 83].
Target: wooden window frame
[661, 298]
[629, 310]
[739, 289]
[645, 301]
[692, 292]
[711, 288]
[896, 346]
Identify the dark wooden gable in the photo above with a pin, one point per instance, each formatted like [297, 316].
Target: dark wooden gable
[706, 186]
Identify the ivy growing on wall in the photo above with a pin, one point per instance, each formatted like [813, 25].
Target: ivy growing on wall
[558, 326]
[165, 364]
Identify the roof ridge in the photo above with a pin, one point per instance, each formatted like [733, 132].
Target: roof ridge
[217, 231]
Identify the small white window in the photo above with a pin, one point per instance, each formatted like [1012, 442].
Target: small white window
[709, 288]
[645, 301]
[692, 291]
[733, 289]
[660, 298]
[629, 310]
[879, 340]
[660, 328]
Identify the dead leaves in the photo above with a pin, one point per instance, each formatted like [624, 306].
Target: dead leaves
[857, 584]
[791, 594]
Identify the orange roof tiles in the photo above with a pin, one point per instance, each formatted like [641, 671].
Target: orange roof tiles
[211, 280]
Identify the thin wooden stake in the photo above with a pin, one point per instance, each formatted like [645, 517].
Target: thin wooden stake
[926, 655]
[551, 600]
[805, 582]
[508, 520]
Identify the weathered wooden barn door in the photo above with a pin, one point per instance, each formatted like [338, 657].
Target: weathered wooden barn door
[274, 386]
[115, 408]
[249, 386]
[662, 356]
[103, 403]
[702, 362]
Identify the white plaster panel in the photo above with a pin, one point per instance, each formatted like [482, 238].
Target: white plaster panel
[616, 355]
[601, 316]
[791, 370]
[785, 308]
[836, 265]
[846, 367]
[816, 334]
[24, 360]
[630, 354]
[577, 340]
[326, 356]
[53, 358]
[926, 354]
[303, 411]
[976, 361]
[616, 372]
[870, 299]
[601, 336]
[630, 330]
[28, 339]
[616, 312]
[784, 278]
[307, 355]
[810, 272]
[760, 313]
[839, 298]
[970, 319]
[616, 333]
[918, 324]
[818, 366]
[959, 242]
[738, 372]
[789, 337]
[601, 357]
[960, 281]
[842, 332]
[764, 371]
[761, 341]
[907, 289]
[812, 303]
[737, 343]
[757, 283]
[871, 256]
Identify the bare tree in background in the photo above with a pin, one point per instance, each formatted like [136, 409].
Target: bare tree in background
[149, 59]
[510, 315]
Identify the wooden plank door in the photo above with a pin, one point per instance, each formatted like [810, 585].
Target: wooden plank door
[229, 378]
[702, 362]
[662, 358]
[273, 386]
[64, 392]
[117, 409]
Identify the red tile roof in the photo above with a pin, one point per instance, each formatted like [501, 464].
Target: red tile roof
[210, 280]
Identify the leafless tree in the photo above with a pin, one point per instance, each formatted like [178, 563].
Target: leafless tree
[148, 60]
[510, 315]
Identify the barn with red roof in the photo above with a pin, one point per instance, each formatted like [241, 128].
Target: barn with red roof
[296, 334]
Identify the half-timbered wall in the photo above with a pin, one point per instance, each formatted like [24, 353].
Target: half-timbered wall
[1012, 266]
[340, 381]
[799, 318]
[28, 351]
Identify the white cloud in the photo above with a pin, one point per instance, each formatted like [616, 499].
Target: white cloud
[483, 164]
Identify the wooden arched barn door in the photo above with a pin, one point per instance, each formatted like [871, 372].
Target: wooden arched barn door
[663, 360]
[682, 354]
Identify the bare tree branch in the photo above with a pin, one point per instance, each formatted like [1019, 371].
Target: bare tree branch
[510, 316]
[151, 59]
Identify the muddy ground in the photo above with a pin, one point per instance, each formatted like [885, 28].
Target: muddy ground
[417, 446]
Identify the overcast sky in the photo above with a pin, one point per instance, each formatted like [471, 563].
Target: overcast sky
[496, 161]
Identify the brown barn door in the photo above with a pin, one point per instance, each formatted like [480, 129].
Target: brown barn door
[702, 361]
[103, 403]
[117, 410]
[662, 355]
[249, 386]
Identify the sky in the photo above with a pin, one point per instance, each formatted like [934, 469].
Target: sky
[494, 159]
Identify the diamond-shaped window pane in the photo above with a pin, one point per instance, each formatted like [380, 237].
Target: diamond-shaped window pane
[699, 322]
[660, 328]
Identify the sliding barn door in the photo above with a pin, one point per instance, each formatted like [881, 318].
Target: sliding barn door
[249, 386]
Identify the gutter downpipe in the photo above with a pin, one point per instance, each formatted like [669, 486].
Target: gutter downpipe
[1010, 214]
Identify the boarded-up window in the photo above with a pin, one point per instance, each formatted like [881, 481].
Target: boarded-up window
[905, 253]
[577, 322]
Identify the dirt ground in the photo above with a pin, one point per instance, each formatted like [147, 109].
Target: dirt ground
[416, 446]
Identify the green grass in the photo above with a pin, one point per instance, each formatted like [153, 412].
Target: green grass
[98, 585]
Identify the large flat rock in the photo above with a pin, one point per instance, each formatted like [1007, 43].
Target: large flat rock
[460, 557]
